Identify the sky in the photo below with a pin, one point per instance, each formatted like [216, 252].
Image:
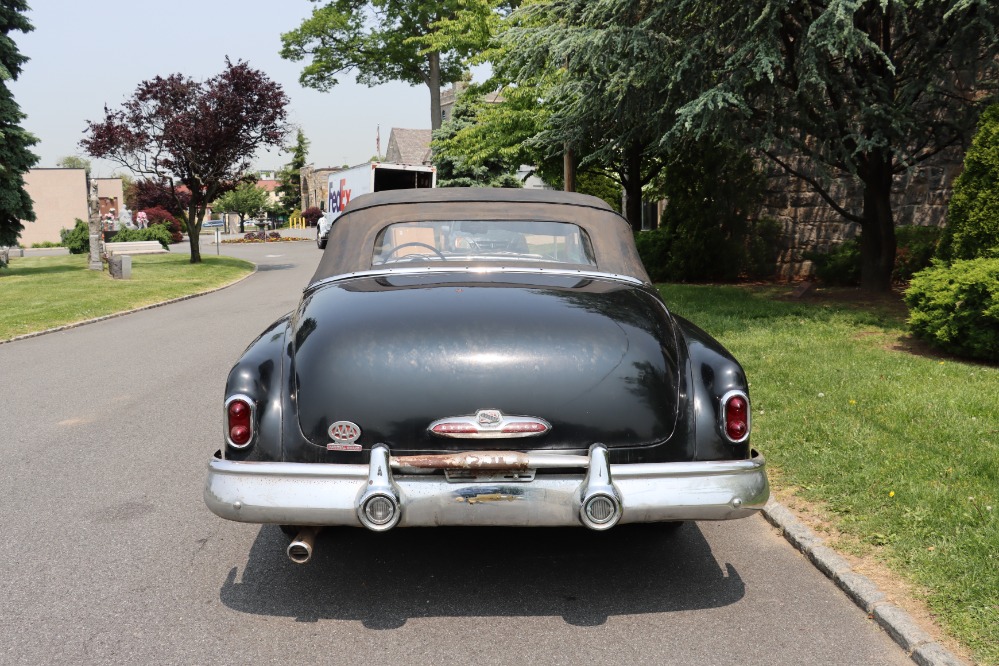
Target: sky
[84, 55]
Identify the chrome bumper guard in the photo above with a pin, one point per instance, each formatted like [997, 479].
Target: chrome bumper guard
[503, 490]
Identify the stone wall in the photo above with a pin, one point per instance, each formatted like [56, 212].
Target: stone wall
[314, 186]
[810, 224]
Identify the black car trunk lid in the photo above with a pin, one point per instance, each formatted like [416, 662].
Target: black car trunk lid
[594, 359]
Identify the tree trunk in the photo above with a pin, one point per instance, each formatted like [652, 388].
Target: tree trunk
[569, 169]
[877, 243]
[194, 231]
[633, 187]
[434, 84]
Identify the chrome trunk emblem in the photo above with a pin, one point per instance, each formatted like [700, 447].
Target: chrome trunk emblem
[344, 435]
[489, 424]
[488, 418]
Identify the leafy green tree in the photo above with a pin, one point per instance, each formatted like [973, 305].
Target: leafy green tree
[973, 217]
[16, 157]
[74, 162]
[453, 170]
[289, 189]
[505, 132]
[246, 200]
[857, 89]
[588, 63]
[127, 190]
[200, 135]
[502, 130]
[827, 89]
[415, 41]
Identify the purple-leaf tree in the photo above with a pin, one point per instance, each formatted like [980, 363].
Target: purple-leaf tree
[197, 134]
[148, 193]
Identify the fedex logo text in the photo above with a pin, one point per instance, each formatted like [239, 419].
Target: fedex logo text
[338, 199]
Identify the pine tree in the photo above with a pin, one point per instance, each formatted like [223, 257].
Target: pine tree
[15, 143]
[289, 189]
[973, 216]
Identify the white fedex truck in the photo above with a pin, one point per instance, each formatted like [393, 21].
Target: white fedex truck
[368, 177]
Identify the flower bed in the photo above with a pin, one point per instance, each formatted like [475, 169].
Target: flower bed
[262, 237]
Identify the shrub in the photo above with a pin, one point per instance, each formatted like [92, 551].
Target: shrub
[973, 215]
[762, 248]
[653, 248]
[274, 235]
[312, 215]
[46, 244]
[155, 232]
[915, 249]
[956, 307]
[840, 266]
[755, 259]
[77, 239]
[709, 190]
[161, 216]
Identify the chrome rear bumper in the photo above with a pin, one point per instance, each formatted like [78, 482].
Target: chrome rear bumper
[329, 494]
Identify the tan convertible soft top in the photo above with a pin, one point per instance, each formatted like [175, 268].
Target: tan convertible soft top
[352, 238]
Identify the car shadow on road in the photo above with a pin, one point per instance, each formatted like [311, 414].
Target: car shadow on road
[382, 580]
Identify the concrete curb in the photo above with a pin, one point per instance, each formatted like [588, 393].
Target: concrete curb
[898, 624]
[76, 324]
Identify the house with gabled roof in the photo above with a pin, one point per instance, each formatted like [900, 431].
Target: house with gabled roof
[408, 146]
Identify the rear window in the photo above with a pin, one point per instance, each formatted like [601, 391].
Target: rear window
[483, 240]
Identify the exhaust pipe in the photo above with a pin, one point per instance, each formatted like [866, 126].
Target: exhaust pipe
[300, 549]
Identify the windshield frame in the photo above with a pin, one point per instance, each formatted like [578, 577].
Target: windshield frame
[351, 240]
[483, 242]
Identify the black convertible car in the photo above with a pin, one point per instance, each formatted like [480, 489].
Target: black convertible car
[483, 357]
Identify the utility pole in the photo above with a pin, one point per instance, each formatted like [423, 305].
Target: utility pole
[569, 169]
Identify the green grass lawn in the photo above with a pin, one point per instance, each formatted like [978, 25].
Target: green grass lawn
[902, 449]
[37, 293]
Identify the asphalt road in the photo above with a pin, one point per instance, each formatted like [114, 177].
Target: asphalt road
[110, 556]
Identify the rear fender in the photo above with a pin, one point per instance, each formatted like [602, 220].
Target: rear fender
[259, 375]
[713, 373]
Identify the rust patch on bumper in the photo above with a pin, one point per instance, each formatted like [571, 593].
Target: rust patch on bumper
[488, 497]
[472, 460]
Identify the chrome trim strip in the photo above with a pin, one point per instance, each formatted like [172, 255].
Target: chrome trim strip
[328, 494]
[494, 430]
[477, 270]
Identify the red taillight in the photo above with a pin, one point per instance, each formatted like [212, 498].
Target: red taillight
[239, 434]
[524, 426]
[737, 418]
[240, 422]
[455, 429]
